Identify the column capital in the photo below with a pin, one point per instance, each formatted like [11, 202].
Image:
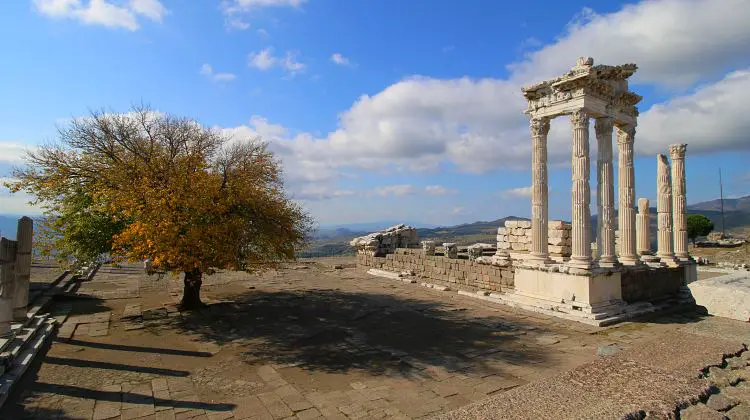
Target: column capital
[539, 126]
[677, 151]
[625, 134]
[603, 126]
[580, 118]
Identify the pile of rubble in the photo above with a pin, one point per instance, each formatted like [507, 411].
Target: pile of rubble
[386, 241]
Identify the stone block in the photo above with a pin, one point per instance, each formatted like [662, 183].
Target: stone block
[559, 249]
[511, 223]
[555, 224]
[557, 241]
[524, 224]
[501, 231]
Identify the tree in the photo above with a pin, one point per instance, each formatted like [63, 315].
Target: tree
[698, 225]
[170, 190]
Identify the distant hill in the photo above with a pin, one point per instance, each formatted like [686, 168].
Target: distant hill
[741, 204]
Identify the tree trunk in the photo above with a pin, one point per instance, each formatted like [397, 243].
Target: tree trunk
[191, 294]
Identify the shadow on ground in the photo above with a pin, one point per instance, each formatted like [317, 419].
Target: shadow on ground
[334, 331]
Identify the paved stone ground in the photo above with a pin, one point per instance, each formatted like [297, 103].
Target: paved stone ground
[310, 341]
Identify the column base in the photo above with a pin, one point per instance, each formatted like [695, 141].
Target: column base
[537, 260]
[608, 262]
[634, 260]
[580, 263]
[669, 260]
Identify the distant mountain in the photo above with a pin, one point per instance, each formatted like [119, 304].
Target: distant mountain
[371, 226]
[741, 204]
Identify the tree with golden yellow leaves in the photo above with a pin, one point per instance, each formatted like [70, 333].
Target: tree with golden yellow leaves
[188, 198]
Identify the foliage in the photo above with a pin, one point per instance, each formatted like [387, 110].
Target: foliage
[698, 225]
[166, 189]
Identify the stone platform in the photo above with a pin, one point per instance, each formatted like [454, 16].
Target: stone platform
[727, 296]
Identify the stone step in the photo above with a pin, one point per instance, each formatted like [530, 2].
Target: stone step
[24, 358]
[22, 334]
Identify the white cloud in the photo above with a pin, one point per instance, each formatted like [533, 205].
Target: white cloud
[13, 153]
[262, 60]
[517, 192]
[317, 193]
[457, 210]
[438, 190]
[208, 71]
[236, 11]
[340, 60]
[103, 12]
[17, 203]
[152, 9]
[395, 190]
[710, 119]
[674, 42]
[478, 125]
[265, 60]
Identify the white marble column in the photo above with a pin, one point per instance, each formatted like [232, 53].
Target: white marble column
[643, 225]
[23, 267]
[664, 209]
[605, 193]
[7, 284]
[626, 196]
[539, 195]
[679, 211]
[581, 191]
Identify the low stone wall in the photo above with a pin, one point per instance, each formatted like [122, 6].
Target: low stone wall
[648, 285]
[515, 236]
[439, 268]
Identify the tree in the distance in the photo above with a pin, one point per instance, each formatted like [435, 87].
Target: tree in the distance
[168, 189]
[698, 225]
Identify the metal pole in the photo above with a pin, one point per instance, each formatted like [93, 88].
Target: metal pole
[721, 194]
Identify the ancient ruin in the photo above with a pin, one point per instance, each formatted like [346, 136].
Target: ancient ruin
[548, 266]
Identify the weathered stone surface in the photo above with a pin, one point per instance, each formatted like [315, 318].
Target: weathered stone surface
[720, 402]
[700, 412]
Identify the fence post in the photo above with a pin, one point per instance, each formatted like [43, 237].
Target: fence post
[24, 236]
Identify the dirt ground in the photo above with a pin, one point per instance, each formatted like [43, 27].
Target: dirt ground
[306, 341]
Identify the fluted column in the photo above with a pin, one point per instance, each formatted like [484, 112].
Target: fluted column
[605, 192]
[581, 191]
[664, 208]
[539, 195]
[23, 267]
[677, 153]
[643, 225]
[626, 196]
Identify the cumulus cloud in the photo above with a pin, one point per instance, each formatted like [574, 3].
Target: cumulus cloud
[208, 71]
[674, 42]
[236, 12]
[12, 152]
[317, 193]
[340, 60]
[395, 190]
[265, 60]
[438, 190]
[17, 203]
[517, 192]
[421, 123]
[103, 12]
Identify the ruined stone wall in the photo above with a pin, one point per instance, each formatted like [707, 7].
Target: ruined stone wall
[387, 241]
[648, 285]
[461, 272]
[516, 237]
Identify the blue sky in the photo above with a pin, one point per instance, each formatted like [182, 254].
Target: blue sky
[397, 110]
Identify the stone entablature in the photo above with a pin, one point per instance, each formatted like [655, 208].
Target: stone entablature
[387, 241]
